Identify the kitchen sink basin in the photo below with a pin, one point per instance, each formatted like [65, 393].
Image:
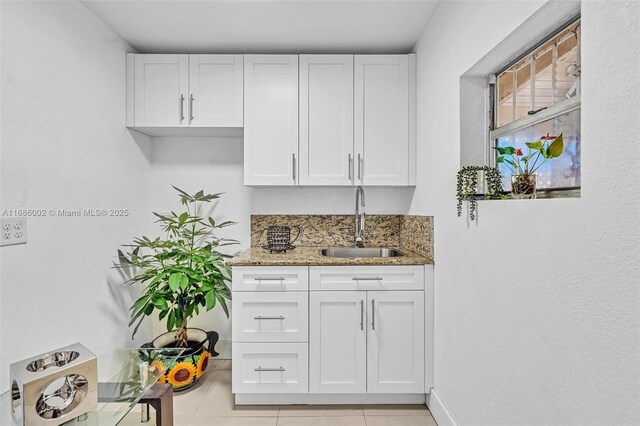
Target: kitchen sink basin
[361, 252]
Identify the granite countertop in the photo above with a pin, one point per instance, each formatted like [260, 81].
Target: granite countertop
[310, 256]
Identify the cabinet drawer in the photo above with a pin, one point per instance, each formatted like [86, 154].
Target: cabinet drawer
[270, 317]
[270, 278]
[410, 277]
[270, 368]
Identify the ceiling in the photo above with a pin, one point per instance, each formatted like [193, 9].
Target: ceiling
[266, 26]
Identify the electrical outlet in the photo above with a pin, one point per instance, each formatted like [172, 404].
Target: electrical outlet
[14, 231]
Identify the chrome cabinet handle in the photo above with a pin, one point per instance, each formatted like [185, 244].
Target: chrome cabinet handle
[260, 317]
[191, 99]
[373, 314]
[359, 167]
[293, 162]
[269, 279]
[367, 278]
[362, 315]
[181, 108]
[269, 369]
[350, 166]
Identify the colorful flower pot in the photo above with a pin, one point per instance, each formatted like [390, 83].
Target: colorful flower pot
[185, 371]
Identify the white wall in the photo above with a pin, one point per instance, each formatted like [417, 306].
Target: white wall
[536, 306]
[215, 165]
[64, 145]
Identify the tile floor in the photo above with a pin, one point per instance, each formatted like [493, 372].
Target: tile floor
[210, 403]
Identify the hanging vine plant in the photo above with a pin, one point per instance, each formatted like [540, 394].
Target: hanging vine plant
[467, 187]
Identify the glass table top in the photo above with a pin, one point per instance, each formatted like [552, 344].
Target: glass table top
[123, 378]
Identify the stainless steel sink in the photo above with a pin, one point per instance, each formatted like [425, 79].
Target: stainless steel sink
[360, 252]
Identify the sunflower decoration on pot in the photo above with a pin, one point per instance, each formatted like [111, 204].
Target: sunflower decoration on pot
[203, 363]
[181, 273]
[184, 373]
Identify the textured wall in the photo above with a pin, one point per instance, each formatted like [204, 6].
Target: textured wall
[536, 306]
[64, 145]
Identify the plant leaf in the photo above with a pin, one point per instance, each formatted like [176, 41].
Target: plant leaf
[506, 150]
[210, 298]
[174, 281]
[159, 303]
[136, 316]
[556, 148]
[148, 309]
[184, 282]
[139, 303]
[171, 320]
[223, 303]
[537, 145]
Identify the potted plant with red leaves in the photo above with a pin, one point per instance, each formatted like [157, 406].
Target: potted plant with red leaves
[523, 167]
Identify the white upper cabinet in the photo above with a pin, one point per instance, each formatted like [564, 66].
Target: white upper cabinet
[271, 120]
[168, 93]
[326, 120]
[382, 119]
[161, 90]
[215, 90]
[308, 120]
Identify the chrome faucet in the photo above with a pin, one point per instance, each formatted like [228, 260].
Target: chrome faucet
[359, 236]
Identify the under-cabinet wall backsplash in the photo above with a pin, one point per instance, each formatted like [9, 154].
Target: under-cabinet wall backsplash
[414, 233]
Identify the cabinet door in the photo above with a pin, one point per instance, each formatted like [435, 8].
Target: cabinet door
[270, 120]
[337, 342]
[215, 85]
[326, 120]
[382, 119]
[395, 352]
[161, 90]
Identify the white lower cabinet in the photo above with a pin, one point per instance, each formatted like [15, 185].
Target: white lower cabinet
[395, 342]
[270, 330]
[270, 317]
[270, 368]
[360, 331]
[366, 341]
[270, 278]
[337, 342]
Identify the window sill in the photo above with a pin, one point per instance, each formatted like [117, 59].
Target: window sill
[541, 195]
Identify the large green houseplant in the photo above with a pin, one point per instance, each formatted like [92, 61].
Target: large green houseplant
[182, 272]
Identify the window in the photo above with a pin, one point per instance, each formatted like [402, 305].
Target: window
[539, 95]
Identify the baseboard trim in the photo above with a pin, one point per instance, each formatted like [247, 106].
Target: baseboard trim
[439, 412]
[328, 398]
